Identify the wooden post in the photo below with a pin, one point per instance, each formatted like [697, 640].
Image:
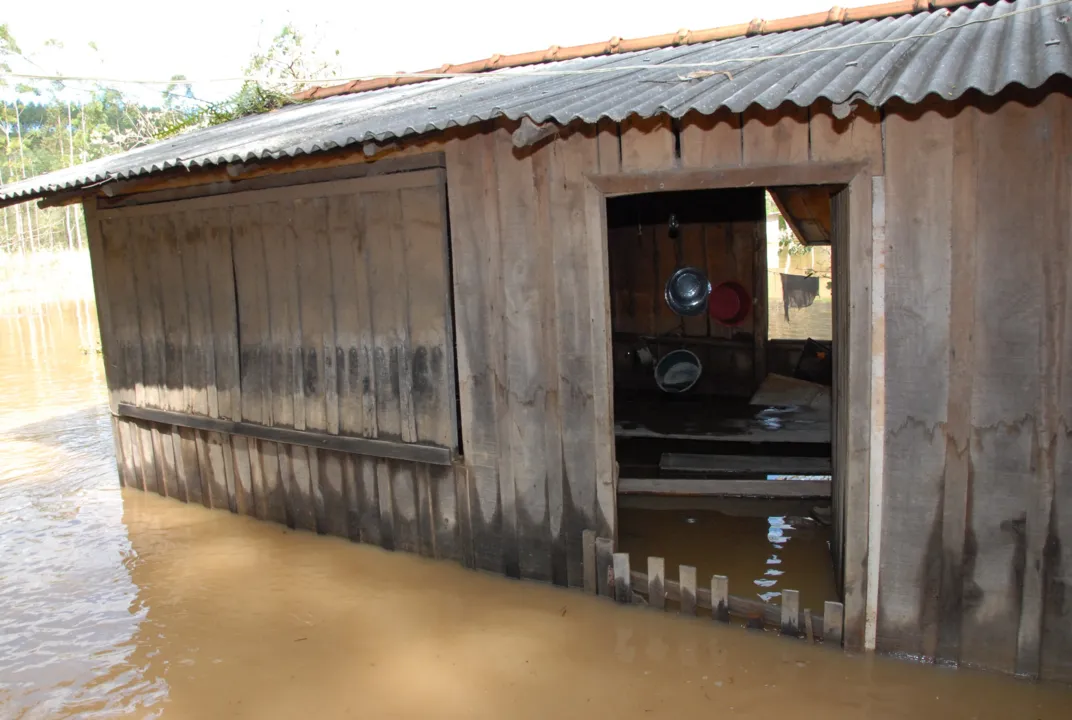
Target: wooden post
[720, 598]
[687, 577]
[588, 552]
[656, 589]
[791, 613]
[833, 621]
[604, 566]
[623, 584]
[809, 627]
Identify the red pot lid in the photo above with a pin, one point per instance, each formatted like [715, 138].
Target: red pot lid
[729, 303]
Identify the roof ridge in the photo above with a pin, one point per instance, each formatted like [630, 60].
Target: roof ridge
[834, 16]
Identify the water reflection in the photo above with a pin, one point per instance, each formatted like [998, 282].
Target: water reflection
[124, 603]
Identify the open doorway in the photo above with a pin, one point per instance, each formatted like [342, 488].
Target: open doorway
[723, 319]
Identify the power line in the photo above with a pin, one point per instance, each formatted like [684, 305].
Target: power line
[529, 71]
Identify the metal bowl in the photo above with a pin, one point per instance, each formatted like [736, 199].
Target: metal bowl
[687, 291]
[678, 371]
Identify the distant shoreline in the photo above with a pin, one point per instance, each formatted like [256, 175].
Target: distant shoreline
[44, 276]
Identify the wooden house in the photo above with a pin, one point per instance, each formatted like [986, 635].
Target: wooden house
[418, 312]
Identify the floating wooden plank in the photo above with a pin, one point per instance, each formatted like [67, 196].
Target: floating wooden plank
[833, 621]
[623, 591]
[720, 598]
[687, 578]
[588, 553]
[604, 566]
[745, 464]
[695, 487]
[656, 575]
[791, 613]
[359, 446]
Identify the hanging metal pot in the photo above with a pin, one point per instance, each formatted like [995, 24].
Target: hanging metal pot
[687, 291]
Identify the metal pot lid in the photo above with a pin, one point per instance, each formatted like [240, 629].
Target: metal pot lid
[687, 291]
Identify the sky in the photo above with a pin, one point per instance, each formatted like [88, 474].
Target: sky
[214, 39]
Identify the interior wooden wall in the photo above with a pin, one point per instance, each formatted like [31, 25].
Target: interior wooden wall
[978, 482]
[721, 233]
[320, 308]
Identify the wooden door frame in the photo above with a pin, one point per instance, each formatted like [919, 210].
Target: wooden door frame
[855, 457]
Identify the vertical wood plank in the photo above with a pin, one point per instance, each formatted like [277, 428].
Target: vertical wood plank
[332, 494]
[572, 157]
[778, 136]
[623, 587]
[146, 460]
[219, 268]
[443, 510]
[648, 143]
[687, 580]
[146, 278]
[120, 268]
[274, 497]
[720, 598]
[241, 485]
[709, 141]
[258, 488]
[791, 613]
[476, 270]
[127, 434]
[187, 464]
[588, 554]
[299, 486]
[174, 312]
[164, 451]
[833, 619]
[352, 493]
[215, 469]
[656, 585]
[350, 295]
[464, 526]
[204, 469]
[605, 566]
[199, 360]
[378, 209]
[310, 223]
[386, 504]
[369, 504]
[809, 627]
[98, 260]
[857, 137]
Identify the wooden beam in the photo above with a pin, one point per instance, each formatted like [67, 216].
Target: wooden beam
[728, 177]
[656, 575]
[71, 197]
[725, 488]
[833, 621]
[791, 613]
[687, 589]
[414, 452]
[623, 591]
[745, 464]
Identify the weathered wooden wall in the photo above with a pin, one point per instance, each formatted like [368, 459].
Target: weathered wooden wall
[321, 307]
[721, 233]
[978, 484]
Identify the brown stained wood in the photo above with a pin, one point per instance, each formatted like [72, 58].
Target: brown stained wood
[790, 613]
[331, 496]
[833, 620]
[609, 147]
[775, 136]
[111, 352]
[274, 498]
[314, 285]
[605, 567]
[242, 479]
[524, 315]
[588, 555]
[476, 270]
[187, 464]
[711, 140]
[286, 172]
[763, 175]
[174, 312]
[126, 434]
[918, 201]
[386, 504]
[126, 353]
[251, 292]
[623, 592]
[956, 485]
[301, 509]
[687, 589]
[571, 157]
[648, 143]
[656, 576]
[349, 295]
[164, 452]
[427, 280]
[720, 598]
[220, 271]
[199, 361]
[647, 293]
[857, 137]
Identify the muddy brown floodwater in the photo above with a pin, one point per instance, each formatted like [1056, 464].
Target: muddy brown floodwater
[121, 603]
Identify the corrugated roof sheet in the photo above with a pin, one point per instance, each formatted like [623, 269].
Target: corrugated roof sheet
[946, 53]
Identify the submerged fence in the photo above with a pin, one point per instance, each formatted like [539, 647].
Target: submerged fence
[607, 573]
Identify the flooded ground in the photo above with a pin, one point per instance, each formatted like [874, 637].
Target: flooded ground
[122, 603]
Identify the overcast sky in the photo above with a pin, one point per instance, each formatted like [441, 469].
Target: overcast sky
[214, 38]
